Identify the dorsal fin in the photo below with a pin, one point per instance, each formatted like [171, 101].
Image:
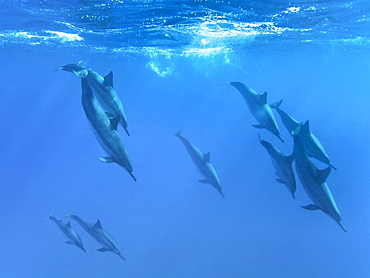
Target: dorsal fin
[108, 80]
[98, 225]
[276, 105]
[263, 98]
[306, 127]
[114, 122]
[322, 175]
[207, 157]
[68, 225]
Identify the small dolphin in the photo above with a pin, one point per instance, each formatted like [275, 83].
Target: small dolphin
[203, 164]
[105, 130]
[100, 235]
[314, 181]
[68, 232]
[258, 106]
[282, 165]
[313, 146]
[103, 90]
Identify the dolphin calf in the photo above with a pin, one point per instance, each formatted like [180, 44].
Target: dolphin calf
[105, 130]
[258, 106]
[203, 164]
[313, 146]
[314, 181]
[103, 89]
[282, 165]
[100, 235]
[74, 238]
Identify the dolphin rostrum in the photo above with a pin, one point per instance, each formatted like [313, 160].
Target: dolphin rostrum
[203, 164]
[314, 181]
[105, 130]
[103, 91]
[282, 165]
[100, 235]
[74, 238]
[258, 106]
[313, 146]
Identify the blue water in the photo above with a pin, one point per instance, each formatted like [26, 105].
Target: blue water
[171, 61]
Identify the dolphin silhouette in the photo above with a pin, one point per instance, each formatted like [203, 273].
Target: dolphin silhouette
[105, 130]
[313, 146]
[314, 181]
[282, 165]
[103, 91]
[202, 163]
[74, 238]
[100, 235]
[259, 108]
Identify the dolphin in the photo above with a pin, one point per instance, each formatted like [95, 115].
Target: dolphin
[103, 91]
[105, 130]
[282, 165]
[100, 235]
[74, 238]
[258, 106]
[203, 164]
[313, 146]
[314, 181]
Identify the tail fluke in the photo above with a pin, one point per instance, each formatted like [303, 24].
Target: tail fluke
[178, 134]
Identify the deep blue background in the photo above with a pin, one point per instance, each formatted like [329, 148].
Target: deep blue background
[168, 224]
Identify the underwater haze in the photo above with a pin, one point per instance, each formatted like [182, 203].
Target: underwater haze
[172, 63]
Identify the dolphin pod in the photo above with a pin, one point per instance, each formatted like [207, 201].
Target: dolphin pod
[104, 125]
[67, 230]
[105, 130]
[99, 234]
[282, 165]
[103, 91]
[305, 145]
[259, 108]
[203, 164]
[314, 181]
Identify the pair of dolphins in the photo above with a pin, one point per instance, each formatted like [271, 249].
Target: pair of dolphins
[95, 230]
[306, 145]
[103, 122]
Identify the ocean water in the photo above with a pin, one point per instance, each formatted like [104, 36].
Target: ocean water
[172, 63]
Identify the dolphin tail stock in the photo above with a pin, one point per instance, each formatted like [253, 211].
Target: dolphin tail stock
[178, 134]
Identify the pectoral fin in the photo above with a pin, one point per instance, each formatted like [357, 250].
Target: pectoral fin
[69, 242]
[258, 126]
[280, 180]
[114, 122]
[311, 207]
[204, 181]
[106, 159]
[104, 249]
